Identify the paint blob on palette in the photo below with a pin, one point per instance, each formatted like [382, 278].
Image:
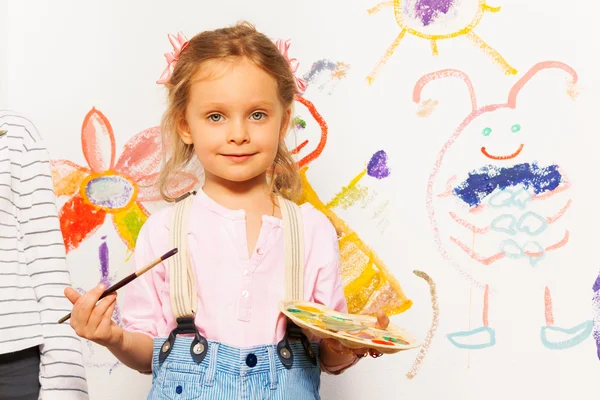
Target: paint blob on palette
[352, 330]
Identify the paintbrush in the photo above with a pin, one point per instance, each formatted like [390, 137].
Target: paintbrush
[129, 278]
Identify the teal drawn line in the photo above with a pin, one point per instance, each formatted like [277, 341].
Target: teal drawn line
[524, 228]
[497, 225]
[492, 338]
[585, 328]
[508, 198]
[514, 226]
[511, 249]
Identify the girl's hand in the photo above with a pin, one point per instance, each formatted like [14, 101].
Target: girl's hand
[94, 321]
[337, 347]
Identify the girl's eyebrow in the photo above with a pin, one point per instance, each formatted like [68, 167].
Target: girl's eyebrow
[219, 104]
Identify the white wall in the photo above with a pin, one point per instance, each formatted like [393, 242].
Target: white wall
[66, 57]
[3, 52]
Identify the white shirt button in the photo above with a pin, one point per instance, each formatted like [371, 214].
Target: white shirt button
[260, 251]
[245, 293]
[246, 273]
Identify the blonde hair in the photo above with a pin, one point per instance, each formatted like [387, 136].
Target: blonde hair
[240, 40]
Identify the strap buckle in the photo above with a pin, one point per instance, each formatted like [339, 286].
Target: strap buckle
[199, 346]
[284, 351]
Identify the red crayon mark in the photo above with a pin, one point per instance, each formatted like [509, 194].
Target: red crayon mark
[468, 225]
[554, 218]
[476, 256]
[449, 187]
[299, 147]
[486, 305]
[317, 152]
[377, 341]
[548, 307]
[508, 157]
[559, 244]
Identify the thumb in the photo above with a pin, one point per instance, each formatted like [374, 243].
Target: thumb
[382, 320]
[72, 295]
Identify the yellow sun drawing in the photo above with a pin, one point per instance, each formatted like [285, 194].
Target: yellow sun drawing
[436, 20]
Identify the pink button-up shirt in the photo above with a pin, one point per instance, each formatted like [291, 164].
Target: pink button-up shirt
[238, 296]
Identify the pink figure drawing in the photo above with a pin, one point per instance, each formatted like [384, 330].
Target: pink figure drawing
[507, 210]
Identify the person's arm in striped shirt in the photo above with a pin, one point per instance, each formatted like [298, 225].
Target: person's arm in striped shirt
[62, 375]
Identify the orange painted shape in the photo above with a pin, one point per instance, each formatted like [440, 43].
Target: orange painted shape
[67, 177]
[315, 114]
[78, 220]
[508, 157]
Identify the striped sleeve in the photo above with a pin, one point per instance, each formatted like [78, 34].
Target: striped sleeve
[62, 374]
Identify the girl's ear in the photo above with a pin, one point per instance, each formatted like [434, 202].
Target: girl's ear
[184, 131]
[285, 123]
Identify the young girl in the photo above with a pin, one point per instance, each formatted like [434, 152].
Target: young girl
[214, 330]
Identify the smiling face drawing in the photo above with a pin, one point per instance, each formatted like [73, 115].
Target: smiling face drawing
[310, 132]
[497, 204]
[368, 285]
[487, 131]
[484, 183]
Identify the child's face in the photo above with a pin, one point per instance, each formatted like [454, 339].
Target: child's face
[234, 119]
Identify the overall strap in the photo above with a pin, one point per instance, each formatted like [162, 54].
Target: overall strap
[182, 285]
[293, 230]
[183, 291]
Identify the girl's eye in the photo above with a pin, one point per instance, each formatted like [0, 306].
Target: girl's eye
[257, 116]
[215, 117]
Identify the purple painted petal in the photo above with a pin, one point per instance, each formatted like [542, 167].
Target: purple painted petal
[596, 287]
[377, 167]
[428, 10]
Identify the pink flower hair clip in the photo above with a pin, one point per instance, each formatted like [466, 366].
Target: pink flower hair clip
[283, 47]
[179, 43]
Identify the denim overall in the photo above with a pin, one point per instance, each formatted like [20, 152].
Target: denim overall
[186, 366]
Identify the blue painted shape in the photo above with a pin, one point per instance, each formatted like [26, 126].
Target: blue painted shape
[580, 332]
[480, 184]
[491, 341]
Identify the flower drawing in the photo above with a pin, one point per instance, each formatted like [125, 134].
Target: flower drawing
[108, 187]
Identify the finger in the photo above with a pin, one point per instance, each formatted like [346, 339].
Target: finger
[85, 305]
[375, 353]
[99, 310]
[361, 352]
[107, 318]
[308, 333]
[72, 295]
[336, 346]
[382, 320]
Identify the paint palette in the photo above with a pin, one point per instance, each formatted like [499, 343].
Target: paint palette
[352, 330]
